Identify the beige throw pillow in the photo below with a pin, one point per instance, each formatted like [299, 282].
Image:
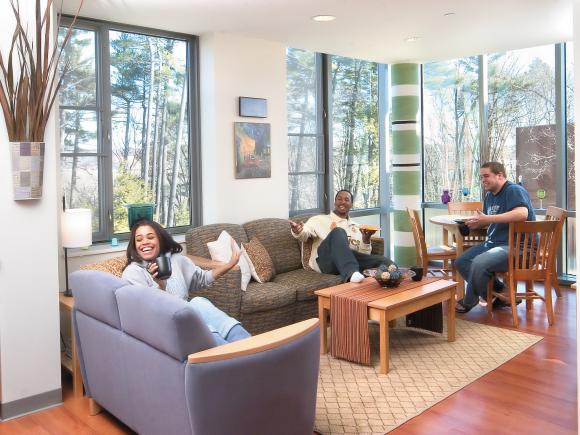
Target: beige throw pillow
[261, 264]
[221, 250]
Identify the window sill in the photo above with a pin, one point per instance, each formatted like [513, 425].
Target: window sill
[106, 248]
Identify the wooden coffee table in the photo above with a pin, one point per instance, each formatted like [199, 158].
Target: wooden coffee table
[391, 307]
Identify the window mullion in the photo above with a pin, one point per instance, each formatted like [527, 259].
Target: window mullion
[105, 162]
[325, 111]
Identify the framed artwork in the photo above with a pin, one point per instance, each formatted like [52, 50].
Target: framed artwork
[253, 107]
[252, 150]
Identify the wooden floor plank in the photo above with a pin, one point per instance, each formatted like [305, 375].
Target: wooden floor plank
[534, 393]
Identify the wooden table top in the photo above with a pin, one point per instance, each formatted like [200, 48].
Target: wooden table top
[390, 301]
[446, 219]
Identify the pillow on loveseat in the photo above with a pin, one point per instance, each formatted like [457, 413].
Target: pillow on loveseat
[221, 250]
[260, 262]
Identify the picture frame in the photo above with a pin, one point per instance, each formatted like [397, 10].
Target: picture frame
[253, 107]
[252, 150]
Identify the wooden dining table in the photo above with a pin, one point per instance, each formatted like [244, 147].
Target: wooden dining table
[447, 221]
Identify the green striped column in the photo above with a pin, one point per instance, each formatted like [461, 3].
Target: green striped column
[405, 157]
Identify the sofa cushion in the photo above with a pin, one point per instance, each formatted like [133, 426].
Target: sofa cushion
[304, 282]
[266, 297]
[196, 239]
[275, 235]
[260, 262]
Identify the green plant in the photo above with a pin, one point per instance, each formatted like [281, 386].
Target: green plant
[29, 79]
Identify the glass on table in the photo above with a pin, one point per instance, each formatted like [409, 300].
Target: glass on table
[541, 194]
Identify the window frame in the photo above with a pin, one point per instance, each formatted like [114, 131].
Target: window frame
[104, 121]
[320, 143]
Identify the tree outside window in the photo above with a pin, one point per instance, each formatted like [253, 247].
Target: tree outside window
[355, 129]
[451, 129]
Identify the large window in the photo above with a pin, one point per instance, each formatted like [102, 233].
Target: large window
[355, 129]
[126, 134]
[333, 142]
[521, 119]
[524, 128]
[305, 135]
[451, 129]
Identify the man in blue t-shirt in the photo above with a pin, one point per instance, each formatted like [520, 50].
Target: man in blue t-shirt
[504, 202]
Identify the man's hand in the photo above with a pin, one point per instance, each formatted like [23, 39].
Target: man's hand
[477, 221]
[296, 226]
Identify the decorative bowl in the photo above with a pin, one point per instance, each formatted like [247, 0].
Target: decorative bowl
[388, 281]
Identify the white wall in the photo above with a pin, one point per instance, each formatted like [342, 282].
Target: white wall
[29, 322]
[233, 66]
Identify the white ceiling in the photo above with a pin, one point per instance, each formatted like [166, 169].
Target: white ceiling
[367, 29]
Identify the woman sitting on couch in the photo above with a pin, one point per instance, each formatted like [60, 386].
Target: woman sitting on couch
[148, 241]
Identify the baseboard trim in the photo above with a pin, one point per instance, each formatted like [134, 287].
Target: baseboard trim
[31, 404]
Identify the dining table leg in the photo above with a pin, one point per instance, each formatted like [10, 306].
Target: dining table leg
[459, 241]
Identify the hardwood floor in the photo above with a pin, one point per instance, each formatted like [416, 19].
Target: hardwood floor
[534, 393]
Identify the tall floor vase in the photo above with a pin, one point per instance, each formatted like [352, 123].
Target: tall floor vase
[27, 169]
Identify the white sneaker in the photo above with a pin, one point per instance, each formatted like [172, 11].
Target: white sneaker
[356, 277]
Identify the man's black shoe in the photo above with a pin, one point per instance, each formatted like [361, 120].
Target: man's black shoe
[498, 286]
[498, 303]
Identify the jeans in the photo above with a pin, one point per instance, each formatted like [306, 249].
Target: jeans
[477, 265]
[216, 320]
[336, 257]
[236, 333]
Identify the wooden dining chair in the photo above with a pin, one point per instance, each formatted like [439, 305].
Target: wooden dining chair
[434, 253]
[559, 215]
[475, 237]
[532, 247]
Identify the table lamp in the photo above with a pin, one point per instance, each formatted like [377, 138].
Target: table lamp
[77, 232]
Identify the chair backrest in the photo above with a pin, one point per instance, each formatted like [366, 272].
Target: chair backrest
[532, 246]
[559, 215]
[419, 238]
[464, 208]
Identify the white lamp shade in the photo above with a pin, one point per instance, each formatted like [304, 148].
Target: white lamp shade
[77, 231]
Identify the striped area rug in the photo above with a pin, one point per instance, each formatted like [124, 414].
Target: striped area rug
[424, 369]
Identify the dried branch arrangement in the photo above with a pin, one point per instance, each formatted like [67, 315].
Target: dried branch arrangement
[29, 76]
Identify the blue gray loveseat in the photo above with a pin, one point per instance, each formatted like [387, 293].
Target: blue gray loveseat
[148, 359]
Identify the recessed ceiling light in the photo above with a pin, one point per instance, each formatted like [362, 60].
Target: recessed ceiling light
[412, 38]
[323, 18]
[449, 14]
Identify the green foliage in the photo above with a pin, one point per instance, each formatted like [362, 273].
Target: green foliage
[129, 189]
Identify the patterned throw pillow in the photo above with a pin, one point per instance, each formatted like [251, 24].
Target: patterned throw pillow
[260, 262]
[306, 253]
[113, 265]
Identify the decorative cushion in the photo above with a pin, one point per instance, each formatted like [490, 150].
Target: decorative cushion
[221, 250]
[261, 264]
[306, 248]
[113, 265]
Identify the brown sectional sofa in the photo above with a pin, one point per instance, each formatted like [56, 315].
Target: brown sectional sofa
[288, 298]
